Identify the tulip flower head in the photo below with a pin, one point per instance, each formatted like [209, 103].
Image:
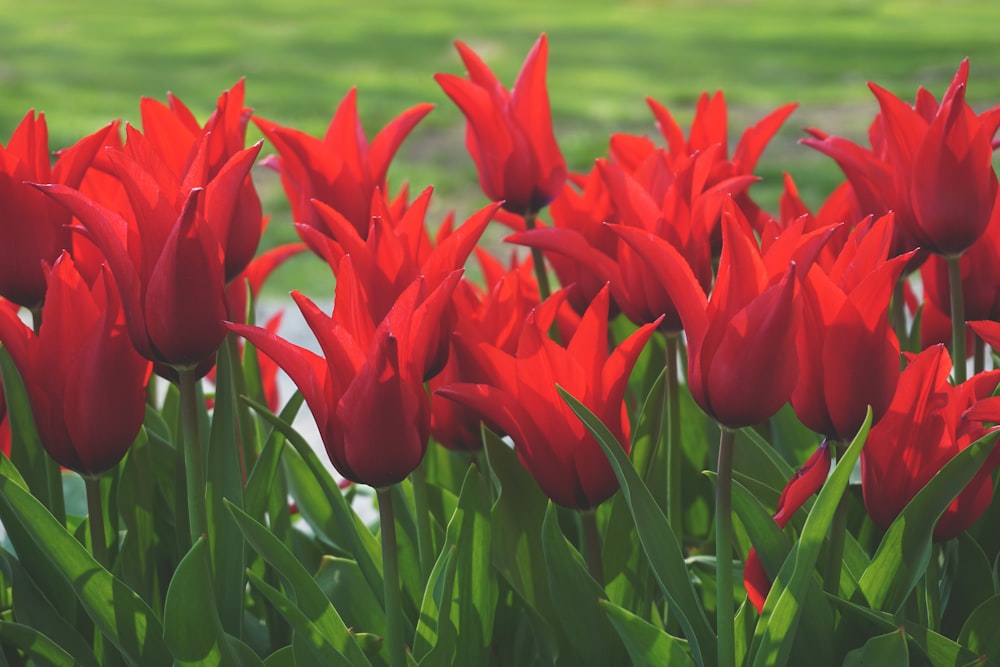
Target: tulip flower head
[85, 381]
[509, 133]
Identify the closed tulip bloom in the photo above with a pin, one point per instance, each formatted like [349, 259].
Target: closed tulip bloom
[521, 397]
[928, 423]
[85, 381]
[33, 228]
[509, 133]
[367, 395]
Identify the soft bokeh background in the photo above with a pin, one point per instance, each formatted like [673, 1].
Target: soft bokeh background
[85, 63]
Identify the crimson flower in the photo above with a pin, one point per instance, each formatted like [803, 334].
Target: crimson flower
[162, 246]
[367, 396]
[806, 481]
[521, 397]
[85, 381]
[929, 422]
[848, 353]
[341, 170]
[33, 228]
[740, 366]
[509, 133]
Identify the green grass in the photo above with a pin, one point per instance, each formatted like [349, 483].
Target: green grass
[85, 65]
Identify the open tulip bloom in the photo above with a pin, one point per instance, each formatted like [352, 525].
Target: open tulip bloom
[546, 488]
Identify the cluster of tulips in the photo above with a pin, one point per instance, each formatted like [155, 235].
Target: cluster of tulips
[534, 439]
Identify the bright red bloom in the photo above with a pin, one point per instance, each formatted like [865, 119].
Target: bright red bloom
[177, 137]
[930, 163]
[741, 369]
[85, 381]
[929, 422]
[521, 397]
[806, 481]
[340, 170]
[848, 353]
[367, 396]
[509, 133]
[34, 229]
[162, 246]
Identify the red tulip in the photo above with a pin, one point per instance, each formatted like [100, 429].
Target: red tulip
[33, 228]
[521, 398]
[340, 170]
[367, 396]
[162, 248]
[848, 353]
[741, 362]
[806, 481]
[929, 422]
[509, 133]
[85, 381]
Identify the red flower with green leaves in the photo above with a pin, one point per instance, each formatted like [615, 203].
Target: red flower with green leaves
[85, 381]
[509, 133]
[521, 397]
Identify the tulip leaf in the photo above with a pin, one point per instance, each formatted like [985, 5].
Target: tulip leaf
[344, 585]
[647, 645]
[658, 541]
[905, 550]
[784, 604]
[888, 650]
[191, 625]
[281, 658]
[263, 476]
[434, 641]
[224, 483]
[116, 609]
[309, 598]
[317, 492]
[575, 594]
[979, 633]
[966, 579]
[136, 499]
[26, 450]
[41, 650]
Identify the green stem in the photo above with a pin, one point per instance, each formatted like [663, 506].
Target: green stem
[538, 259]
[929, 593]
[194, 465]
[725, 616]
[390, 576]
[979, 356]
[838, 536]
[425, 548]
[672, 415]
[897, 312]
[247, 432]
[957, 318]
[95, 519]
[592, 545]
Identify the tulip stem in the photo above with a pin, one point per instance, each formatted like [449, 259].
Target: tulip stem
[194, 466]
[979, 356]
[422, 508]
[390, 577]
[95, 519]
[672, 407]
[838, 536]
[538, 259]
[957, 318]
[592, 545]
[725, 618]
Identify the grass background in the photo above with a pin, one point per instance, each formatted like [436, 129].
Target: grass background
[84, 64]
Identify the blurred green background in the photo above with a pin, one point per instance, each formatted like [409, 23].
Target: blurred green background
[84, 63]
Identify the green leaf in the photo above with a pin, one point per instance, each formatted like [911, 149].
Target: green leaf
[309, 599]
[434, 641]
[224, 483]
[968, 578]
[575, 595]
[344, 585]
[27, 452]
[658, 541]
[980, 630]
[260, 482]
[905, 550]
[40, 649]
[191, 625]
[783, 606]
[887, 650]
[115, 608]
[647, 645]
[137, 560]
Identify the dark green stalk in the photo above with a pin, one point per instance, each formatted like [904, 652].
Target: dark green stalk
[592, 545]
[725, 615]
[390, 576]
[425, 548]
[979, 356]
[672, 415]
[95, 519]
[957, 318]
[838, 536]
[538, 259]
[194, 465]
